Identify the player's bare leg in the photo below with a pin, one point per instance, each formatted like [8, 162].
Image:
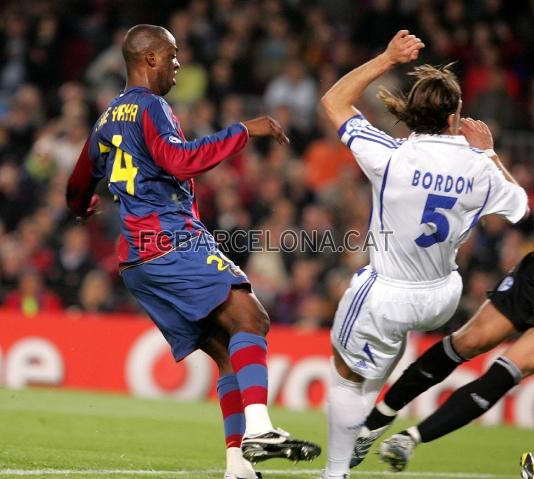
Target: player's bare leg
[237, 467]
[247, 323]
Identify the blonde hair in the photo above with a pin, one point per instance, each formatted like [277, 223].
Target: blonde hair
[433, 97]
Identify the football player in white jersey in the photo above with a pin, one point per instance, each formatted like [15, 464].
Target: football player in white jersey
[428, 192]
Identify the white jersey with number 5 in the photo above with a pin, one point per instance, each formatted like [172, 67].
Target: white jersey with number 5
[428, 192]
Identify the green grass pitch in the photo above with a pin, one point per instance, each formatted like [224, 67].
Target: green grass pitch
[45, 433]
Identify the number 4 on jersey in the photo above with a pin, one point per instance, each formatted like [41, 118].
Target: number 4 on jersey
[122, 172]
[430, 215]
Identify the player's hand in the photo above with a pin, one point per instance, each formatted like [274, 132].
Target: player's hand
[456, 118]
[92, 208]
[266, 126]
[476, 133]
[403, 47]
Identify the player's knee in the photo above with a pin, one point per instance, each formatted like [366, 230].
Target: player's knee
[469, 346]
[255, 322]
[261, 323]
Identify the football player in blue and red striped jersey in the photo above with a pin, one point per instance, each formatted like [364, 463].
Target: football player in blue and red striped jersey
[196, 296]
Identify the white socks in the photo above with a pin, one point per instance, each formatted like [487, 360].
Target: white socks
[236, 464]
[346, 414]
[348, 406]
[257, 419]
[414, 433]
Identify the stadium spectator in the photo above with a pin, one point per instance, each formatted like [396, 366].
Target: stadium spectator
[12, 263]
[273, 48]
[107, 69]
[13, 54]
[300, 303]
[265, 267]
[326, 158]
[296, 89]
[31, 296]
[16, 198]
[72, 263]
[44, 52]
[95, 293]
[193, 80]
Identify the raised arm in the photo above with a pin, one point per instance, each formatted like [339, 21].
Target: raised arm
[339, 100]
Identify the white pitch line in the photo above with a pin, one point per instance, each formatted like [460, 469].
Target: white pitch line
[273, 472]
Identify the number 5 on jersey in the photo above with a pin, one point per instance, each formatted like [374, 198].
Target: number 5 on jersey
[430, 215]
[123, 172]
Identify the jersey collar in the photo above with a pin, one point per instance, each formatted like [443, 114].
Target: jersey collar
[434, 138]
[136, 89]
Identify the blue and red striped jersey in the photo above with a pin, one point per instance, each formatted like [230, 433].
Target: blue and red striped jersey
[138, 146]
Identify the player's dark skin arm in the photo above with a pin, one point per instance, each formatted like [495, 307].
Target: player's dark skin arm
[266, 126]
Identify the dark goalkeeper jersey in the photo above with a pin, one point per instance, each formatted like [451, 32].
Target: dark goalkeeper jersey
[138, 146]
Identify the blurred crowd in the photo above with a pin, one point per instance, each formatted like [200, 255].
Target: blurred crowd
[60, 64]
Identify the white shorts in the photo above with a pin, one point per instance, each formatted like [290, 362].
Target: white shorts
[375, 315]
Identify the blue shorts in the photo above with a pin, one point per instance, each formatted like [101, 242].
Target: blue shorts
[183, 287]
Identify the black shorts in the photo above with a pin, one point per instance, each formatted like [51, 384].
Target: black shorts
[514, 295]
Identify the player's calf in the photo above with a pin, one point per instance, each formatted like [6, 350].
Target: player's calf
[471, 400]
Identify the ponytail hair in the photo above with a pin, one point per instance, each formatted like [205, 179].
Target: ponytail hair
[434, 96]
